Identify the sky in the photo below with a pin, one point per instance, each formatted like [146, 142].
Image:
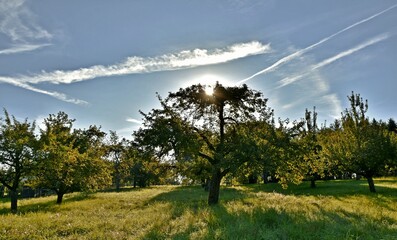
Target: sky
[103, 61]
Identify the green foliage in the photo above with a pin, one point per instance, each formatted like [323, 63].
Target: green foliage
[286, 153]
[255, 144]
[116, 154]
[362, 146]
[17, 149]
[312, 160]
[70, 161]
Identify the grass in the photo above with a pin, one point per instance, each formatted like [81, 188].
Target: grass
[335, 210]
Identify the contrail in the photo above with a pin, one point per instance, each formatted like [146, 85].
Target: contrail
[286, 81]
[302, 51]
[57, 95]
[351, 51]
[22, 48]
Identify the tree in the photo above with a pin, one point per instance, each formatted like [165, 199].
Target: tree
[311, 148]
[286, 152]
[333, 151]
[70, 161]
[253, 145]
[144, 170]
[129, 165]
[213, 119]
[362, 146]
[95, 173]
[115, 152]
[392, 125]
[17, 146]
[172, 142]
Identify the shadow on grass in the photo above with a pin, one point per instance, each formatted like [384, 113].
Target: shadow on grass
[43, 204]
[48, 203]
[334, 188]
[386, 190]
[235, 217]
[123, 189]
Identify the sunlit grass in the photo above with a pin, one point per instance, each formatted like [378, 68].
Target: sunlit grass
[335, 210]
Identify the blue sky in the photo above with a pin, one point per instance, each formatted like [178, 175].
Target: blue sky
[103, 61]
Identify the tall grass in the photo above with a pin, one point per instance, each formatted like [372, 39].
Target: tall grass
[334, 210]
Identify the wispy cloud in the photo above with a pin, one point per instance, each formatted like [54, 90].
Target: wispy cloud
[298, 53]
[133, 120]
[22, 48]
[242, 6]
[125, 132]
[57, 95]
[288, 80]
[334, 101]
[168, 62]
[19, 24]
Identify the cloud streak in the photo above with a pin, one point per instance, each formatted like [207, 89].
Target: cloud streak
[57, 95]
[22, 48]
[335, 102]
[298, 53]
[168, 62]
[133, 120]
[352, 50]
[133, 65]
[289, 80]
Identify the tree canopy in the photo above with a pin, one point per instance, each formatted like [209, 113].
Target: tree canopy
[17, 147]
[70, 160]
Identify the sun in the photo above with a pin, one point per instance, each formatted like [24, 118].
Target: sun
[209, 81]
[209, 90]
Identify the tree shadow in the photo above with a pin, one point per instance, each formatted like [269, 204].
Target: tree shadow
[34, 207]
[338, 189]
[334, 188]
[250, 221]
[123, 189]
[45, 204]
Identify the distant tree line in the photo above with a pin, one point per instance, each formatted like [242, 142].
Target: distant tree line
[196, 137]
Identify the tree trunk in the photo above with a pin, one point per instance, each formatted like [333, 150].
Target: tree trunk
[117, 182]
[1, 191]
[371, 184]
[135, 182]
[265, 177]
[59, 197]
[14, 200]
[205, 184]
[252, 179]
[313, 182]
[117, 177]
[215, 183]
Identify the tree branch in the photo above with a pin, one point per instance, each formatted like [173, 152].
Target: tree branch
[210, 159]
[206, 140]
[5, 184]
[231, 119]
[225, 171]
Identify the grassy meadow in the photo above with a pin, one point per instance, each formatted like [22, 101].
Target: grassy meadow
[335, 210]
